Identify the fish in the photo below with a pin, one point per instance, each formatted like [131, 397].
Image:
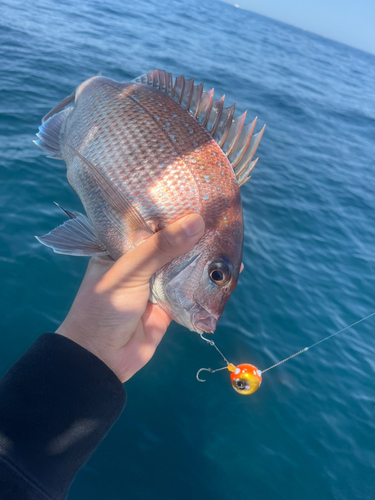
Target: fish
[141, 154]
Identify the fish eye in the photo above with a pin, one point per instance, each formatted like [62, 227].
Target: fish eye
[219, 273]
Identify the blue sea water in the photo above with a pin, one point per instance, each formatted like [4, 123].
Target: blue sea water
[309, 208]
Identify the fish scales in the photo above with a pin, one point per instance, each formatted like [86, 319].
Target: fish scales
[180, 169]
[139, 161]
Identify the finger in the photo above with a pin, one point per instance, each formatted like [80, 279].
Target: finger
[142, 262]
[96, 269]
[155, 323]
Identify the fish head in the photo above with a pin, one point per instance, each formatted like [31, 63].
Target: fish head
[195, 288]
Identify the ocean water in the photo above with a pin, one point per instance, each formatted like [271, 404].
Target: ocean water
[309, 208]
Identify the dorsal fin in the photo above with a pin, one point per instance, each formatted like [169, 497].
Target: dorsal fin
[235, 139]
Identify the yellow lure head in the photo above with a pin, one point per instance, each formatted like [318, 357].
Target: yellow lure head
[245, 378]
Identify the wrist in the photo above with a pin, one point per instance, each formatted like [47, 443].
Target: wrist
[82, 339]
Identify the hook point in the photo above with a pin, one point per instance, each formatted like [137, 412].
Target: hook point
[202, 370]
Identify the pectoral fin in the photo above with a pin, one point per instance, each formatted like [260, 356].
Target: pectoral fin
[75, 237]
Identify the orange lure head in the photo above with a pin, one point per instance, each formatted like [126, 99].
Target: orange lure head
[245, 378]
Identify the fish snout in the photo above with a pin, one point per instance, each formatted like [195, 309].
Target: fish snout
[203, 320]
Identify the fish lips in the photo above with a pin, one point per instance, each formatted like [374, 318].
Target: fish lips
[202, 320]
[186, 310]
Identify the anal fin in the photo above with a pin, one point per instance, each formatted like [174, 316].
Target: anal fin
[75, 237]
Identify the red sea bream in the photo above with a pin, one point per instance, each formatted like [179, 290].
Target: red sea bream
[142, 154]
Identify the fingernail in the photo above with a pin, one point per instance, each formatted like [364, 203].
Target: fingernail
[192, 225]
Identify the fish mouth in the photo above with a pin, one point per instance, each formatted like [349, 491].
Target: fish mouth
[203, 321]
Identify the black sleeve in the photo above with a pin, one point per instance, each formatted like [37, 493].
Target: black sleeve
[57, 403]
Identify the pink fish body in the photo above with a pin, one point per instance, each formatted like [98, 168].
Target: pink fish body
[142, 154]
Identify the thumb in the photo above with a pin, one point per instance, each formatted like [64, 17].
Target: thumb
[143, 261]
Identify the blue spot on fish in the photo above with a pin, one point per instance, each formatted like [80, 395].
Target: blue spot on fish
[207, 178]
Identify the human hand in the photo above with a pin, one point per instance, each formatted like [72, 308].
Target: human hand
[111, 315]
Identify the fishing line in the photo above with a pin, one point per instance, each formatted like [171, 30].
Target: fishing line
[210, 370]
[246, 378]
[211, 342]
[319, 342]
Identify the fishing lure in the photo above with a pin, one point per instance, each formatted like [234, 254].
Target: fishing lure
[246, 378]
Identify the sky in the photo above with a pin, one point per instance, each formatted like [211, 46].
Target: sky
[348, 21]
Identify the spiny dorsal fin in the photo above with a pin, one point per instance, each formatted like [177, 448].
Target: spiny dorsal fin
[235, 139]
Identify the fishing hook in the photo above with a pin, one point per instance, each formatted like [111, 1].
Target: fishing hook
[211, 342]
[210, 370]
[202, 370]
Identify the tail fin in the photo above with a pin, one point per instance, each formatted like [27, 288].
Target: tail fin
[49, 133]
